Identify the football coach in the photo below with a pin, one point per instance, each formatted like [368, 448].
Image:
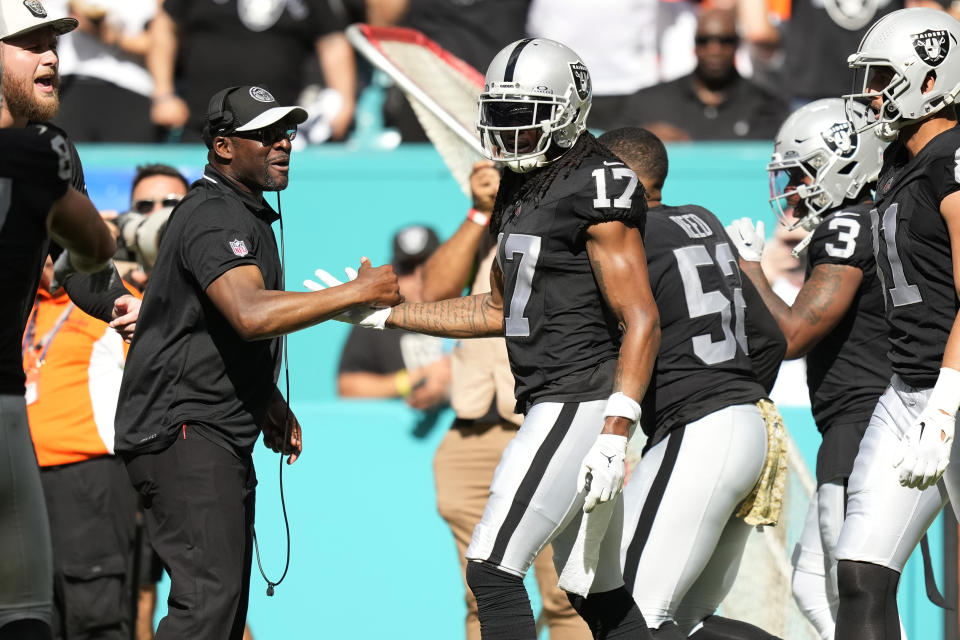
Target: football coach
[200, 380]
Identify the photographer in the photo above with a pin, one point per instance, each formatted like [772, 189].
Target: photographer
[156, 190]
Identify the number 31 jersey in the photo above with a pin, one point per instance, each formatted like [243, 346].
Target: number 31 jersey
[914, 262]
[562, 338]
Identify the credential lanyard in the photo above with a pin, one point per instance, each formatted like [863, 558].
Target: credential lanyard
[47, 339]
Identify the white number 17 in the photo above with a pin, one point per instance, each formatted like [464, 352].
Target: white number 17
[625, 199]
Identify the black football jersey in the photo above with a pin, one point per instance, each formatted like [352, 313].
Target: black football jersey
[913, 254]
[848, 370]
[35, 169]
[704, 362]
[562, 339]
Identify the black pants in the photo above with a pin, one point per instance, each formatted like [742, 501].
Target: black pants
[198, 509]
[92, 513]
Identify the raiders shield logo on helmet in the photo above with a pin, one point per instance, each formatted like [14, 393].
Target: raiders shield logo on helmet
[932, 46]
[35, 8]
[840, 139]
[581, 79]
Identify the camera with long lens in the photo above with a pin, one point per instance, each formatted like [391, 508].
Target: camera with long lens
[141, 234]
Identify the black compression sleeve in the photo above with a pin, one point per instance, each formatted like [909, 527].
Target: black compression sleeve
[90, 298]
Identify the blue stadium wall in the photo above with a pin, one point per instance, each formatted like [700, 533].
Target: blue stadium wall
[370, 556]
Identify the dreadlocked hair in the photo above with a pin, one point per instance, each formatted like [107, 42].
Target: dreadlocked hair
[514, 186]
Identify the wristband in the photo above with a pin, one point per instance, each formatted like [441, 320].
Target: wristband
[402, 382]
[479, 217]
[622, 405]
[946, 392]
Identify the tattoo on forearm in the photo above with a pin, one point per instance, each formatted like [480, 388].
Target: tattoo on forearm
[818, 295]
[468, 317]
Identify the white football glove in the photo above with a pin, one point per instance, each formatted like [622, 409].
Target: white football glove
[748, 240]
[925, 447]
[363, 315]
[602, 470]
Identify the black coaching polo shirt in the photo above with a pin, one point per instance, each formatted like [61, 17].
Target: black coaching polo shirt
[186, 364]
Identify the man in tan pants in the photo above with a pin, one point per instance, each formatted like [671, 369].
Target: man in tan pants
[482, 397]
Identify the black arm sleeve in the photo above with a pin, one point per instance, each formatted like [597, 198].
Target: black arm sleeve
[79, 287]
[764, 338]
[98, 304]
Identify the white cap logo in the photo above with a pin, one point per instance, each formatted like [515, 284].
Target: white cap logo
[261, 95]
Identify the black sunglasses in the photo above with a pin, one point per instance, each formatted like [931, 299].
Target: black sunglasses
[147, 205]
[728, 41]
[268, 135]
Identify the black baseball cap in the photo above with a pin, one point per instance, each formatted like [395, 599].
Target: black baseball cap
[412, 246]
[246, 108]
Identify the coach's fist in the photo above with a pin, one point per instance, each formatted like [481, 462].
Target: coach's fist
[381, 287]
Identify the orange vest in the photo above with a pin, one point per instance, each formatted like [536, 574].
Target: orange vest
[74, 364]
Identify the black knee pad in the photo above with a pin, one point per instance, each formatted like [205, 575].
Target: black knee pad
[503, 606]
[29, 629]
[868, 601]
[611, 614]
[719, 628]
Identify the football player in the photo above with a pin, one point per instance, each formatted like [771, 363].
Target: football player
[36, 201]
[707, 437]
[823, 172]
[908, 68]
[570, 293]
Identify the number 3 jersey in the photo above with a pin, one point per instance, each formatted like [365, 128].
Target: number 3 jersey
[848, 370]
[912, 248]
[703, 365]
[562, 338]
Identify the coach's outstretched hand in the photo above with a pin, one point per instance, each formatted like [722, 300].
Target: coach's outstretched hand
[281, 430]
[602, 470]
[382, 293]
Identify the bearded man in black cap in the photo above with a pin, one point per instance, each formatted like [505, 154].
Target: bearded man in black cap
[200, 380]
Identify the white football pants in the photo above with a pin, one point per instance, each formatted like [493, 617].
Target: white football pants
[886, 520]
[682, 544]
[534, 500]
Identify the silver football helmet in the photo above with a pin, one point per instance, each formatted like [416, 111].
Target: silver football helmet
[819, 158]
[537, 93]
[905, 46]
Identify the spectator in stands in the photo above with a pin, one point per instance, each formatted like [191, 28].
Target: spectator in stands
[595, 29]
[74, 364]
[483, 399]
[714, 102]
[394, 363]
[105, 89]
[234, 42]
[818, 37]
[473, 31]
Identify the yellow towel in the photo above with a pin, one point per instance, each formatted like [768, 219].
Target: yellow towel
[762, 506]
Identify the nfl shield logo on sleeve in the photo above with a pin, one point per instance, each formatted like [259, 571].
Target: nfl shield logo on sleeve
[239, 247]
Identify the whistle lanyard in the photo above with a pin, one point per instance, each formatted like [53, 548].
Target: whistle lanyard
[43, 345]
